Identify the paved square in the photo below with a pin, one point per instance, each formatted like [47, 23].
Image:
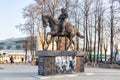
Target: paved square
[28, 72]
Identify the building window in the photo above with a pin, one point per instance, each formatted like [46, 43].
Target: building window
[8, 47]
[1, 43]
[18, 47]
[1, 47]
[18, 42]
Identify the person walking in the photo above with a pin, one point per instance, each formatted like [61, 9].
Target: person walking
[11, 60]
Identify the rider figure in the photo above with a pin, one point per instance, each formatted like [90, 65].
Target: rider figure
[63, 18]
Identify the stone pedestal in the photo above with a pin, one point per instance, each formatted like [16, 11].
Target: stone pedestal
[47, 64]
[79, 64]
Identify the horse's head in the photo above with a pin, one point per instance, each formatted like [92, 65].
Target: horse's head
[49, 19]
[45, 20]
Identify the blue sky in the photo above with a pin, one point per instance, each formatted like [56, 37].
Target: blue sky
[11, 15]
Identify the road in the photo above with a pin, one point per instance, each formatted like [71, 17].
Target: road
[28, 72]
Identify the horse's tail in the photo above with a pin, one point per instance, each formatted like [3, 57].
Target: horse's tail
[79, 35]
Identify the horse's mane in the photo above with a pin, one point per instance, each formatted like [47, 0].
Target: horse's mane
[52, 19]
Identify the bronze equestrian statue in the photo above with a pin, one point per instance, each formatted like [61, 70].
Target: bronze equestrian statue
[70, 30]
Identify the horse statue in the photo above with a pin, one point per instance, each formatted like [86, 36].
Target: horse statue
[70, 30]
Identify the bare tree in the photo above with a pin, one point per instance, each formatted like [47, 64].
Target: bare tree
[29, 26]
[112, 23]
[87, 6]
[95, 32]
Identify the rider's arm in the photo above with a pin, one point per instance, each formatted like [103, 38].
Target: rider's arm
[65, 15]
[59, 18]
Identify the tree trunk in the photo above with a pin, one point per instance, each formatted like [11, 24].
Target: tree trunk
[111, 42]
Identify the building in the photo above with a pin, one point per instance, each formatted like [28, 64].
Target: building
[12, 47]
[12, 44]
[15, 47]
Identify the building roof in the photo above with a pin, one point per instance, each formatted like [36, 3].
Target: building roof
[13, 39]
[11, 51]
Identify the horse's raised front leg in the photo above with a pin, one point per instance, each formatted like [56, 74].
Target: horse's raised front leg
[51, 38]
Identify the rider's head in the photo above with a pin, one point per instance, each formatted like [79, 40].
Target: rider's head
[63, 10]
